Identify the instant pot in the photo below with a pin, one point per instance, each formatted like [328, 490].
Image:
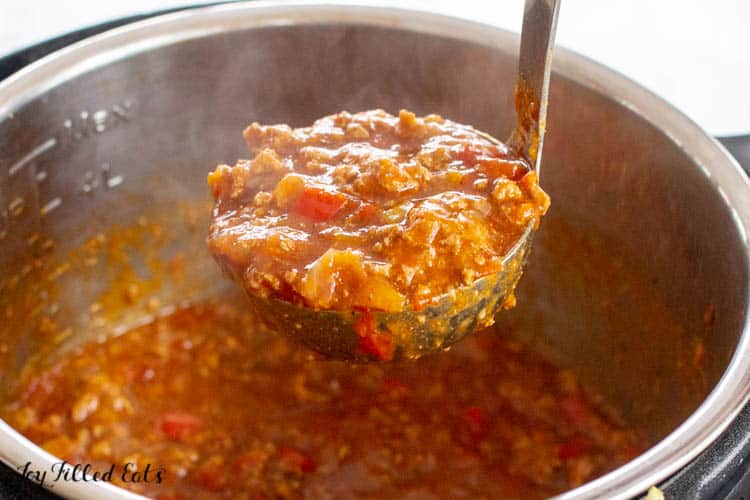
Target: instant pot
[617, 159]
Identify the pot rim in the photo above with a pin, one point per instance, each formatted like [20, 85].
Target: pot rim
[682, 445]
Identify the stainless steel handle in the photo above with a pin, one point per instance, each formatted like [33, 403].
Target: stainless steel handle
[534, 62]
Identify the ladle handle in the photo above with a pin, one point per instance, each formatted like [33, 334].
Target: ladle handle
[534, 62]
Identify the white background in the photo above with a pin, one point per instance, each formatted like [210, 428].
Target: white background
[694, 53]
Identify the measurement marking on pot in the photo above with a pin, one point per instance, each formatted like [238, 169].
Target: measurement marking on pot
[89, 182]
[16, 206]
[110, 181]
[4, 223]
[31, 155]
[101, 120]
[115, 181]
[92, 182]
[50, 206]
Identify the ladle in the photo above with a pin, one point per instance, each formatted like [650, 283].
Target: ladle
[357, 335]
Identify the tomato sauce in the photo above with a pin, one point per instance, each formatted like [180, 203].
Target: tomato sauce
[220, 407]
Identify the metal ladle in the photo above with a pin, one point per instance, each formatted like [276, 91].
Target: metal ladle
[381, 336]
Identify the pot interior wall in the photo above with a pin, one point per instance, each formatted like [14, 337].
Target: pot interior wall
[637, 250]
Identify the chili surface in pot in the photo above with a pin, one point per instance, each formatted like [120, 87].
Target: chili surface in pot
[220, 407]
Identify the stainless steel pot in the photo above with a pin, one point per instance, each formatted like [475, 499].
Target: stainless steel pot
[647, 234]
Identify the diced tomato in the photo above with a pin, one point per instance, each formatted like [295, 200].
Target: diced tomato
[573, 447]
[378, 346]
[365, 324]
[178, 425]
[476, 420]
[295, 460]
[468, 155]
[366, 212]
[371, 342]
[289, 294]
[574, 409]
[318, 204]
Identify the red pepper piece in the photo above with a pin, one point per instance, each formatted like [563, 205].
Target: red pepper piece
[378, 346]
[476, 421]
[178, 425]
[318, 204]
[295, 460]
[289, 294]
[573, 447]
[371, 342]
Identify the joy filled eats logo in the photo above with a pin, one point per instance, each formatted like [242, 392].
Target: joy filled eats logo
[86, 473]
